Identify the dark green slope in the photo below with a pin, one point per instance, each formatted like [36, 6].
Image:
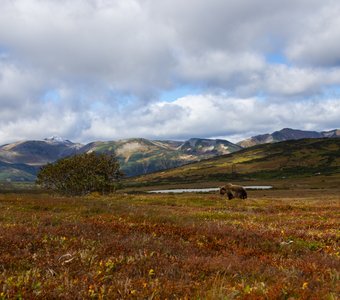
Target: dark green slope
[288, 159]
[17, 172]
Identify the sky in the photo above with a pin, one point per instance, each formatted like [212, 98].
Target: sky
[89, 70]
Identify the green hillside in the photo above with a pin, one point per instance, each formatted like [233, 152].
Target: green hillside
[289, 159]
[17, 172]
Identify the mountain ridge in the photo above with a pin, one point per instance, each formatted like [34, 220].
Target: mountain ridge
[286, 134]
[137, 156]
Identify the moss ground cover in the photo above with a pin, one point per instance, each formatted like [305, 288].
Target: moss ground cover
[275, 245]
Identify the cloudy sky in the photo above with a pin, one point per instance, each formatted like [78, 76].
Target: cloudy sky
[167, 69]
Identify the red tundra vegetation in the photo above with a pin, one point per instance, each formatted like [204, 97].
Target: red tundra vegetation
[192, 246]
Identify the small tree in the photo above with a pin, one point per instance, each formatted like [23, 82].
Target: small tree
[81, 174]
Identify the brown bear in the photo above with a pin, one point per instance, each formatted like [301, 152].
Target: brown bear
[233, 191]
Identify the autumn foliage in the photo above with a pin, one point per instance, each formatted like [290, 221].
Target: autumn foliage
[81, 174]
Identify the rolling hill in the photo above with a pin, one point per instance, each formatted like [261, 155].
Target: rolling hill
[288, 159]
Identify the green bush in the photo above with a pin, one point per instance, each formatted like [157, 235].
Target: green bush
[81, 174]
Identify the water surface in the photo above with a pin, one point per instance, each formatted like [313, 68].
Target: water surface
[207, 190]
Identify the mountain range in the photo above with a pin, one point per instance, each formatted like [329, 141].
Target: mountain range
[20, 161]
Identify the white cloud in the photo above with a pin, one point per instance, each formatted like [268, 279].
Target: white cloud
[319, 43]
[216, 68]
[206, 115]
[41, 126]
[290, 81]
[105, 63]
[111, 42]
[212, 115]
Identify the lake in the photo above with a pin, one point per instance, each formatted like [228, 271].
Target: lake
[207, 190]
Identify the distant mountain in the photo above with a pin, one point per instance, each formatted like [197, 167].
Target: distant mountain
[22, 160]
[208, 147]
[286, 134]
[37, 152]
[331, 134]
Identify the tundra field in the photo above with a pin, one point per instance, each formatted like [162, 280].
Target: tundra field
[277, 244]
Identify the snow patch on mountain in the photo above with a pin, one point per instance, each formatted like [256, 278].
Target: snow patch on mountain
[57, 140]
